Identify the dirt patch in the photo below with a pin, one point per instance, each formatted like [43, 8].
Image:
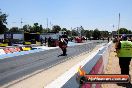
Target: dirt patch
[113, 68]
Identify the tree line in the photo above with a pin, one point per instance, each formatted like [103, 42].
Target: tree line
[96, 33]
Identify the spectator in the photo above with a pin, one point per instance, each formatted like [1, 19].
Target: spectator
[124, 53]
[108, 39]
[49, 42]
[45, 41]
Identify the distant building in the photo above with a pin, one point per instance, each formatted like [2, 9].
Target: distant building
[62, 33]
[52, 35]
[114, 33]
[47, 35]
[8, 35]
[20, 36]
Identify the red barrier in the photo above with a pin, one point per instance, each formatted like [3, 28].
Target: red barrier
[12, 50]
[17, 49]
[6, 50]
[97, 69]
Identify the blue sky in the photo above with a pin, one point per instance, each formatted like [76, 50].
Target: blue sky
[90, 14]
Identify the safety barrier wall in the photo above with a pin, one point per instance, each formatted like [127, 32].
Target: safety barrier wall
[6, 50]
[96, 69]
[100, 65]
[94, 64]
[106, 54]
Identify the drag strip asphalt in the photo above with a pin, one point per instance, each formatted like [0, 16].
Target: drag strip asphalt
[16, 67]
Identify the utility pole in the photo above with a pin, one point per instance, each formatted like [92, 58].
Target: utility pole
[113, 30]
[21, 22]
[78, 31]
[51, 25]
[71, 31]
[118, 25]
[47, 23]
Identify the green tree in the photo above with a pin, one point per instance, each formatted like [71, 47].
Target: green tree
[36, 28]
[129, 31]
[56, 29]
[69, 33]
[123, 31]
[96, 34]
[31, 29]
[64, 29]
[45, 30]
[83, 32]
[14, 30]
[74, 33]
[88, 35]
[26, 28]
[3, 18]
[104, 34]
